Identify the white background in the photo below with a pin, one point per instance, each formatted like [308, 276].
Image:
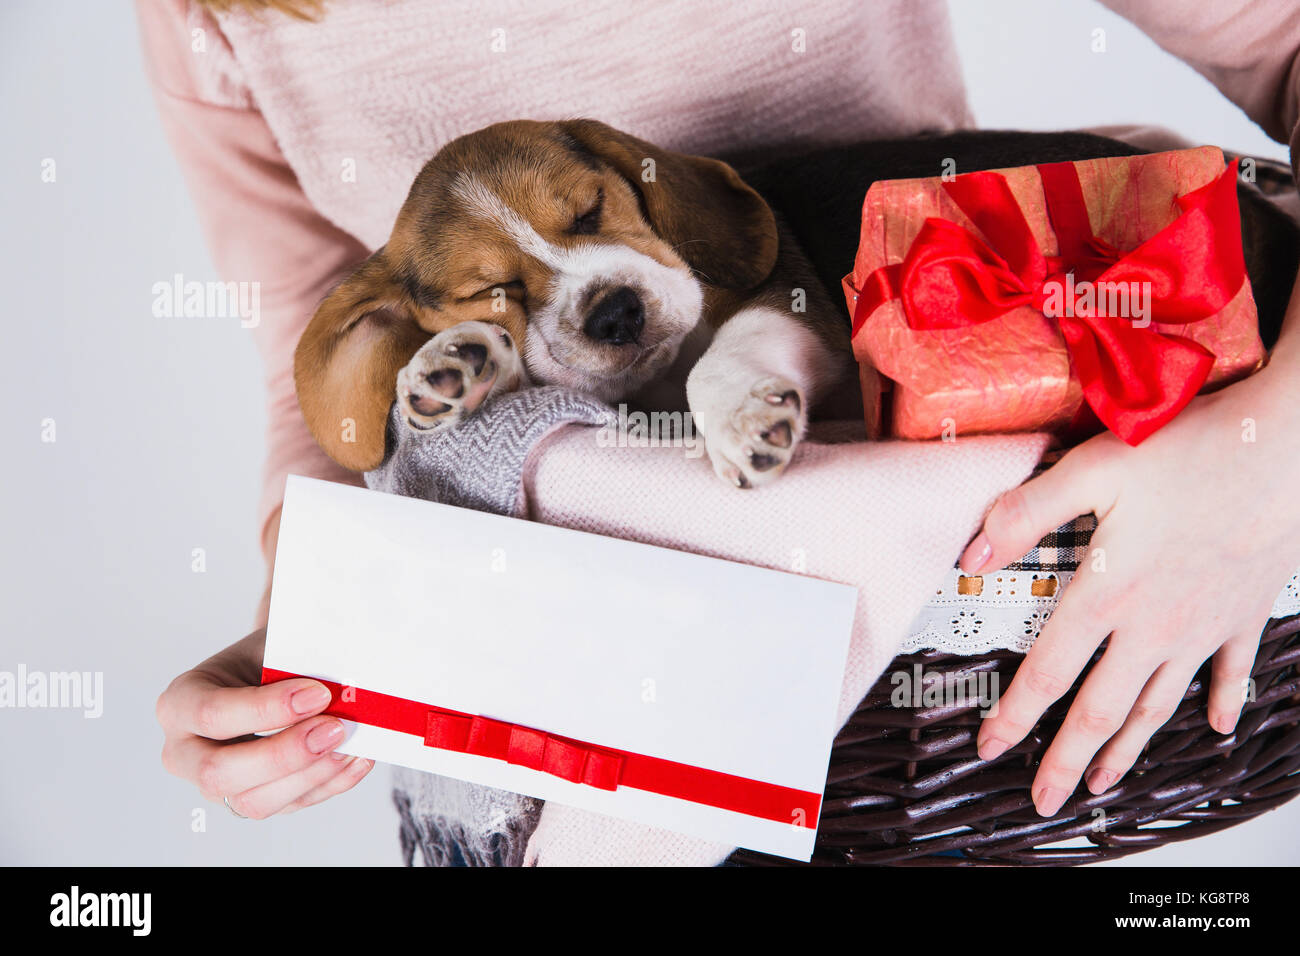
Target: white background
[159, 425]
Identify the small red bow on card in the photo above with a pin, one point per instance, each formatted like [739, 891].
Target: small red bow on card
[1134, 377]
[535, 749]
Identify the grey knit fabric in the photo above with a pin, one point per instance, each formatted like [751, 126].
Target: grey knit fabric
[479, 464]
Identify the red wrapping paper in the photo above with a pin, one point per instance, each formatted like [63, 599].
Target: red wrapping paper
[976, 353]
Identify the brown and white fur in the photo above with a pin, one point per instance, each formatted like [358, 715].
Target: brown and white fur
[570, 253]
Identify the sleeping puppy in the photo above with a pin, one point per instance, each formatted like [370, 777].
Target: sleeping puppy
[569, 253]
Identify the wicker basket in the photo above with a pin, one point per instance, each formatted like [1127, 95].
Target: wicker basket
[906, 788]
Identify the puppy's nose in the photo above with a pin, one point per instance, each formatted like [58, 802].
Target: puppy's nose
[617, 319]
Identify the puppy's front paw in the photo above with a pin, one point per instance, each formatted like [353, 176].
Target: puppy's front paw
[751, 443]
[454, 372]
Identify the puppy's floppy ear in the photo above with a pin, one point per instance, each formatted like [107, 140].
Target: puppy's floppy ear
[346, 364]
[711, 217]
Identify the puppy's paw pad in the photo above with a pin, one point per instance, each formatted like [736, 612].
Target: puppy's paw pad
[473, 354]
[754, 443]
[454, 372]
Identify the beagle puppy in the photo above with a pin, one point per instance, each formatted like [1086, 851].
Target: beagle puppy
[570, 253]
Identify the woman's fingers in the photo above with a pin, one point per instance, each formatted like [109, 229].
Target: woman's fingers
[1159, 699]
[1079, 483]
[1073, 486]
[196, 703]
[276, 796]
[1229, 684]
[220, 700]
[351, 774]
[221, 770]
[1096, 714]
[1049, 670]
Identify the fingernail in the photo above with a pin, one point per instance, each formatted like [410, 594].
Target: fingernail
[361, 767]
[1099, 780]
[313, 698]
[976, 555]
[1224, 723]
[324, 736]
[1049, 800]
[992, 748]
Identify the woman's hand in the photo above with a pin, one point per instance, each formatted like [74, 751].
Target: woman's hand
[1199, 530]
[209, 715]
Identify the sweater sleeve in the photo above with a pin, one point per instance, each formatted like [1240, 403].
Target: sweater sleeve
[1249, 49]
[258, 223]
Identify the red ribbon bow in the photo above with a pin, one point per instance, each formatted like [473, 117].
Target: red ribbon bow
[575, 762]
[1134, 377]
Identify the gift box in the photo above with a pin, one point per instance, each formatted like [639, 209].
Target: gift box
[673, 689]
[1062, 297]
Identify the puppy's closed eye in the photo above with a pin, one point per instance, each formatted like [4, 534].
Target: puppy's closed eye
[511, 286]
[588, 223]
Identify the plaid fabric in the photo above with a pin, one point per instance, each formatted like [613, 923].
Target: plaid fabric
[1062, 550]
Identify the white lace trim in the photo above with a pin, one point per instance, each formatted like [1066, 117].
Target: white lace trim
[1007, 615]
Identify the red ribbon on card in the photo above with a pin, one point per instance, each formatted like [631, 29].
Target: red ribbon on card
[576, 761]
[1134, 377]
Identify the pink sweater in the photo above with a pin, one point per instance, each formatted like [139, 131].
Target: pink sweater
[300, 140]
